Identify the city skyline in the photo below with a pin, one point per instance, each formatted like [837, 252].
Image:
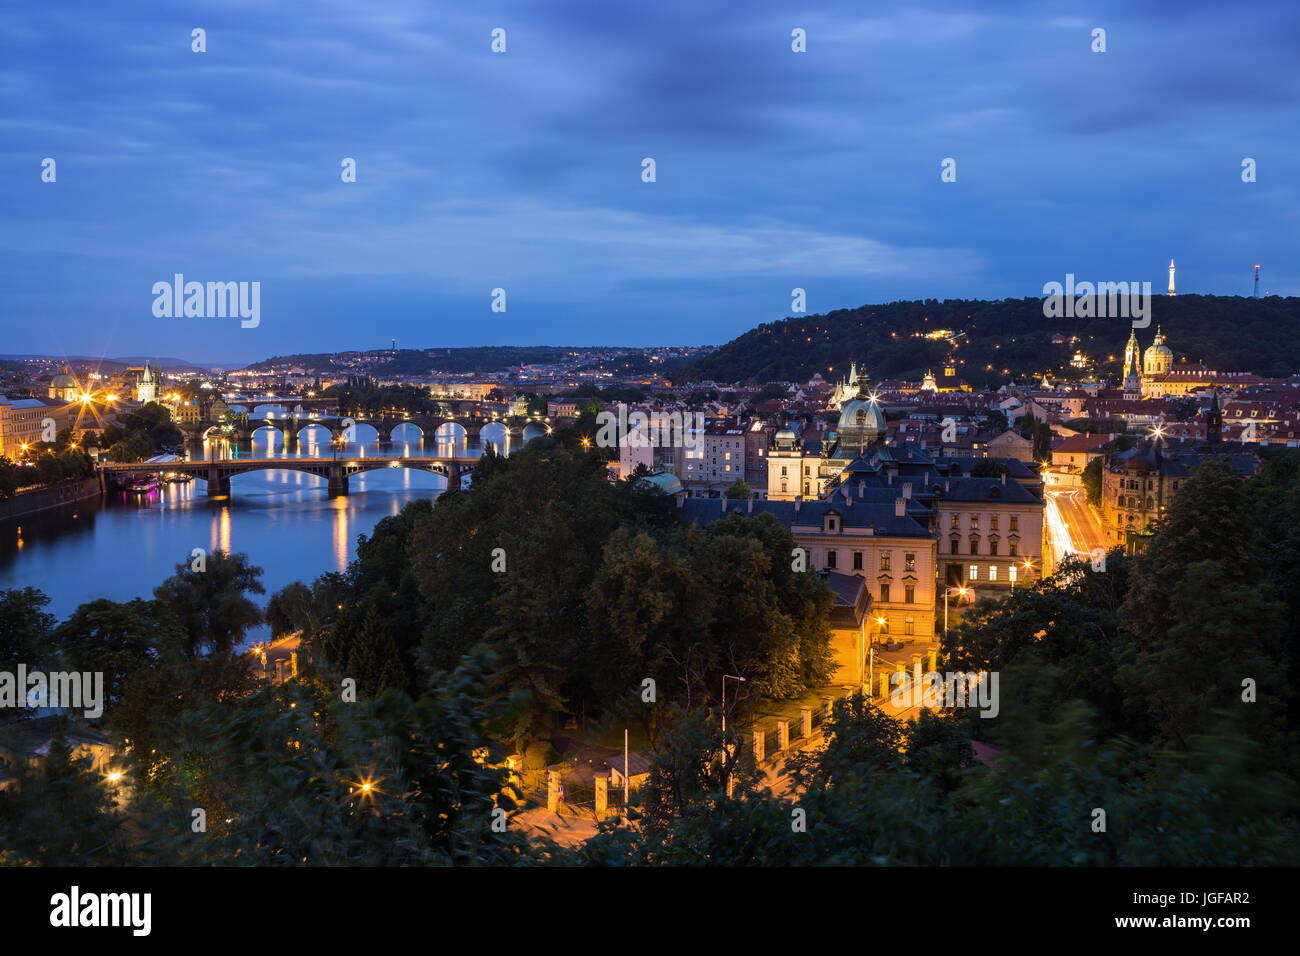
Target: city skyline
[523, 169]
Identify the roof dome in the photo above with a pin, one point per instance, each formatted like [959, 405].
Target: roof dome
[860, 414]
[861, 423]
[1158, 347]
[63, 380]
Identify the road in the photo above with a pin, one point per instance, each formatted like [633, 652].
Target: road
[1073, 527]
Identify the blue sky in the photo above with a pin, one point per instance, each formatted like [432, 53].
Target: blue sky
[522, 170]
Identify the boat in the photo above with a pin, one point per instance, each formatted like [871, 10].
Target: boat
[143, 485]
[174, 477]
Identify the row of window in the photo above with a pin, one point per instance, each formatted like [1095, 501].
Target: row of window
[1013, 547]
[909, 560]
[1013, 522]
[973, 573]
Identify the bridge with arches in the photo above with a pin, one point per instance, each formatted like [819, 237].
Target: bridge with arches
[217, 472]
[518, 429]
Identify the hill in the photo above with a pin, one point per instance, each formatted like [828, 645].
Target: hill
[994, 341]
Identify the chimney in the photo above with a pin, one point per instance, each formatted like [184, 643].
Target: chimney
[862, 486]
[900, 507]
[1004, 477]
[945, 484]
[889, 477]
[750, 502]
[907, 489]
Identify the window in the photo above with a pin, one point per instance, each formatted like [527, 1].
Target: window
[830, 558]
[956, 521]
[1013, 548]
[993, 545]
[884, 590]
[909, 562]
[993, 523]
[857, 560]
[974, 522]
[909, 594]
[884, 560]
[1011, 573]
[956, 545]
[783, 471]
[1015, 522]
[907, 626]
[974, 572]
[974, 545]
[993, 572]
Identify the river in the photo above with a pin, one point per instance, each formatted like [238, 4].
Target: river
[120, 546]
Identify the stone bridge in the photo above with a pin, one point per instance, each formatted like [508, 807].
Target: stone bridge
[217, 472]
[518, 428]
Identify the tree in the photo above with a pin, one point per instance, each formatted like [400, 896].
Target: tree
[211, 605]
[117, 640]
[860, 738]
[1202, 587]
[1092, 481]
[24, 627]
[738, 490]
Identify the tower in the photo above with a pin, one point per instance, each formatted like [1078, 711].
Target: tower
[1131, 355]
[146, 390]
[1214, 421]
[1171, 277]
[1257, 281]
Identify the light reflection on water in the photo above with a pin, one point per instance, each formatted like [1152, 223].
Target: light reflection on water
[122, 546]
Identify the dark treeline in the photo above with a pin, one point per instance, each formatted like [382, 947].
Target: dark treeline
[1229, 333]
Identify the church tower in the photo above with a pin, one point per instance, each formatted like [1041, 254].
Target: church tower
[1214, 421]
[1132, 370]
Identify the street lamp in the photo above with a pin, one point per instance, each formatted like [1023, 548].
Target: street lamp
[725, 678]
[961, 592]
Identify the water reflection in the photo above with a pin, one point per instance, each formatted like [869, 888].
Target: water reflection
[122, 545]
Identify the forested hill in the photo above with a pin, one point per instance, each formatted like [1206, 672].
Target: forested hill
[1228, 333]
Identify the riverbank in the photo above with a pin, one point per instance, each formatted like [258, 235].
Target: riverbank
[42, 499]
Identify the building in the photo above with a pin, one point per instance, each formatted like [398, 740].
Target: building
[65, 388]
[990, 533]
[1011, 445]
[881, 542]
[146, 388]
[1137, 485]
[1072, 455]
[25, 421]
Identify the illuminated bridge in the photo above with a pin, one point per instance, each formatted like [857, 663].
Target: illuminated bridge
[336, 471]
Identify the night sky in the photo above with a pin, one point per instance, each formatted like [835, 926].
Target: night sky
[523, 170]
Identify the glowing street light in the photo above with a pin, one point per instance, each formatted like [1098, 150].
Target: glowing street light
[961, 592]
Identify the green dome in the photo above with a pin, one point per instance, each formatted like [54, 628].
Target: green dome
[63, 380]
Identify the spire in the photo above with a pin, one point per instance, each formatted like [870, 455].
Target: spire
[1171, 277]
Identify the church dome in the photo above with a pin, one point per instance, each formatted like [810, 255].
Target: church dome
[63, 380]
[861, 423]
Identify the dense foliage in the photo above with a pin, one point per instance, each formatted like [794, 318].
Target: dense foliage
[1229, 333]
